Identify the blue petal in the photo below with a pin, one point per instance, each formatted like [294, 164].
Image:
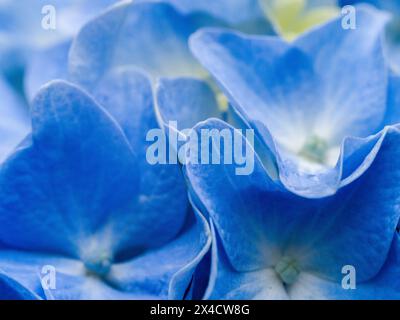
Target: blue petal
[276, 87]
[228, 284]
[14, 121]
[323, 235]
[46, 65]
[88, 288]
[28, 269]
[229, 199]
[127, 95]
[152, 36]
[185, 101]
[58, 192]
[12, 290]
[358, 52]
[393, 104]
[384, 286]
[245, 15]
[389, 5]
[165, 272]
[360, 232]
[240, 67]
[21, 30]
[265, 77]
[235, 61]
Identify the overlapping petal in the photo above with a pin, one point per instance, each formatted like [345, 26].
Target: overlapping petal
[69, 180]
[321, 235]
[245, 15]
[151, 36]
[291, 92]
[79, 194]
[59, 188]
[186, 101]
[159, 273]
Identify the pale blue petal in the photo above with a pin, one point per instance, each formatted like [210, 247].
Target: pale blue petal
[14, 121]
[393, 104]
[152, 36]
[88, 288]
[245, 15]
[228, 284]
[127, 95]
[12, 290]
[58, 190]
[185, 101]
[22, 32]
[165, 272]
[359, 53]
[322, 235]
[46, 65]
[384, 286]
[28, 269]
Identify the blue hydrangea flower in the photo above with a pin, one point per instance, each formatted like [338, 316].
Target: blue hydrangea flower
[14, 120]
[271, 244]
[310, 101]
[79, 196]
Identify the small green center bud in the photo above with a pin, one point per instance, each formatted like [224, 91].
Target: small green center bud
[288, 270]
[315, 150]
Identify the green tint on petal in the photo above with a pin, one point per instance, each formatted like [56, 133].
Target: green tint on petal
[293, 17]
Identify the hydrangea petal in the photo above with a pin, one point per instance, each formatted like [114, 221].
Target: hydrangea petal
[384, 286]
[14, 121]
[358, 52]
[165, 272]
[391, 5]
[246, 66]
[12, 290]
[26, 269]
[323, 235]
[22, 31]
[227, 284]
[127, 95]
[88, 288]
[393, 104]
[186, 101]
[227, 198]
[245, 15]
[46, 65]
[151, 36]
[360, 232]
[65, 178]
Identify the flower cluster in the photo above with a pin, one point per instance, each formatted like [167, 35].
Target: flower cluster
[290, 108]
